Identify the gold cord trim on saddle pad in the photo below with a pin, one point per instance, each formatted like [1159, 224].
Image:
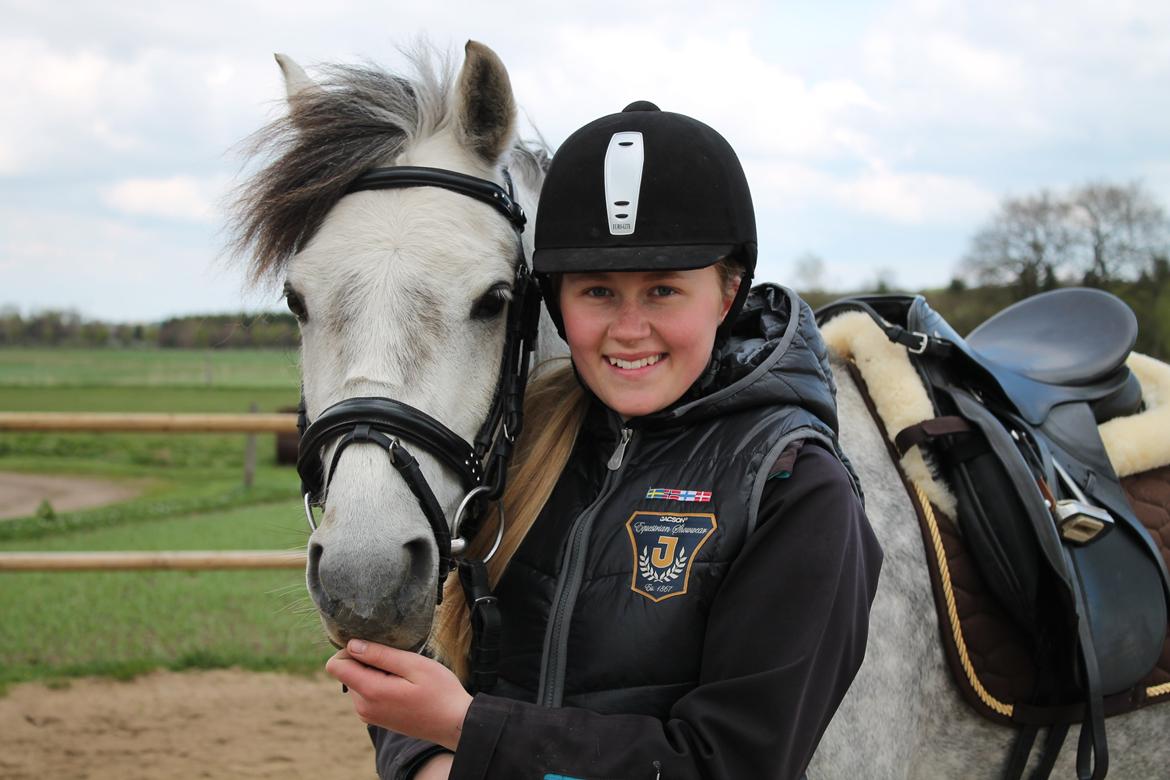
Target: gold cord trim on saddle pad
[953, 612]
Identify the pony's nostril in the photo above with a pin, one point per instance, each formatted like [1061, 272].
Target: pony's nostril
[421, 561]
[313, 572]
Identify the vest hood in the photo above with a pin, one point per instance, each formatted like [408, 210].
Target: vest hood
[773, 356]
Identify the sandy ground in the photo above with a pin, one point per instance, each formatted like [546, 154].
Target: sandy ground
[214, 724]
[21, 494]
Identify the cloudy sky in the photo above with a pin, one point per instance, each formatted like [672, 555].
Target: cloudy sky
[877, 135]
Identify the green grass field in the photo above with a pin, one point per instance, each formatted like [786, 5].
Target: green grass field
[122, 623]
[148, 367]
[62, 624]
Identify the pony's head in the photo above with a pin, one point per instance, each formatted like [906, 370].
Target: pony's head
[400, 294]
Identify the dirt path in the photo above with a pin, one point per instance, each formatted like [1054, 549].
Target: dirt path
[215, 724]
[21, 494]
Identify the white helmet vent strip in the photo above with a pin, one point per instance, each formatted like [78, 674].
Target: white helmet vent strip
[623, 181]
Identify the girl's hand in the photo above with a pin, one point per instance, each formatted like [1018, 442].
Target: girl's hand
[402, 691]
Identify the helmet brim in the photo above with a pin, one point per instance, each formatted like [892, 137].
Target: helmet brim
[629, 258]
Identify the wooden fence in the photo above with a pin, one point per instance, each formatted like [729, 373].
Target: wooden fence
[148, 423]
[152, 423]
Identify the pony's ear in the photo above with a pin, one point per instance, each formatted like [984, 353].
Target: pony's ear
[484, 106]
[296, 81]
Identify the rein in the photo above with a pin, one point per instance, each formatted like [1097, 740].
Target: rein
[480, 465]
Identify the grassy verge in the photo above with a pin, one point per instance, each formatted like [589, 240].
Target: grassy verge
[162, 499]
[60, 625]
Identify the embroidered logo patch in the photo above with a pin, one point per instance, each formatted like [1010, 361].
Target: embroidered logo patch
[665, 544]
[674, 494]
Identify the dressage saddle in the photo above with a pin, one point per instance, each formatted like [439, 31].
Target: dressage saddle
[1040, 507]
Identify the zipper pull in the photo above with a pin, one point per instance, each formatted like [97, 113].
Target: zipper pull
[615, 460]
[657, 769]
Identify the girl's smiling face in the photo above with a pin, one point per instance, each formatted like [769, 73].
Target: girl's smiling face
[639, 339]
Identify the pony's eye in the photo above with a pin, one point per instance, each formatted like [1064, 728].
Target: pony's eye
[296, 304]
[491, 303]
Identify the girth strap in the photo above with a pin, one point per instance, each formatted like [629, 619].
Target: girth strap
[1092, 748]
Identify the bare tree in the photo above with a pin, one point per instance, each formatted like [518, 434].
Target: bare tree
[1026, 244]
[1122, 230]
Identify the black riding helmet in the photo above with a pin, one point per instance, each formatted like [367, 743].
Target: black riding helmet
[644, 190]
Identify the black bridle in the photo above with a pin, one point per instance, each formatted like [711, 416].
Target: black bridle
[480, 465]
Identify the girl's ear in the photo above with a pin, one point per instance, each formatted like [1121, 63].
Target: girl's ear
[729, 297]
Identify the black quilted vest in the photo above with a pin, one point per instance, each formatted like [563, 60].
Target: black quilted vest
[606, 600]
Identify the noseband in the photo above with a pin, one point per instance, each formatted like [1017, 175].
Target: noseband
[481, 466]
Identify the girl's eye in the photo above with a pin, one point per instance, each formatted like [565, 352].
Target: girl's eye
[596, 292]
[662, 291]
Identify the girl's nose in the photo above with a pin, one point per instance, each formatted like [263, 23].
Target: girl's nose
[631, 323]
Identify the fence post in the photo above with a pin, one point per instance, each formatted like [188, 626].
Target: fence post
[250, 453]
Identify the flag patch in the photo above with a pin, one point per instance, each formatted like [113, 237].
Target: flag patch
[674, 494]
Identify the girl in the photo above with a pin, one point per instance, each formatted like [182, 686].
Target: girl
[686, 581]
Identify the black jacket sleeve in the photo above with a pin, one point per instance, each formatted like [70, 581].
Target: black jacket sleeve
[785, 637]
[398, 757]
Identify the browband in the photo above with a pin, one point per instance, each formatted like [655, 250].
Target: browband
[482, 190]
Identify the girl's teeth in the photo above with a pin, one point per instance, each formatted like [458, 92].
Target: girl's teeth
[632, 364]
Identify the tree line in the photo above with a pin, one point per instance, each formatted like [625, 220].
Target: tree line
[54, 328]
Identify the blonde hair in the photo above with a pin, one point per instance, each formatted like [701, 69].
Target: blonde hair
[554, 409]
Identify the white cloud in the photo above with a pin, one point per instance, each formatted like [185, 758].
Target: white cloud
[905, 197]
[915, 198]
[114, 269]
[83, 109]
[64, 105]
[1029, 70]
[716, 75]
[187, 198]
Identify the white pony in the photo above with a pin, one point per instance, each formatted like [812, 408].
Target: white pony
[399, 293]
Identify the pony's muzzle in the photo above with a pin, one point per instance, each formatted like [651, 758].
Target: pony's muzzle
[385, 595]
